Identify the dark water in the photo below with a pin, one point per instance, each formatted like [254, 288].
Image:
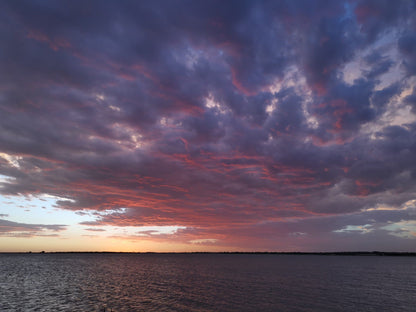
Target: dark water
[206, 282]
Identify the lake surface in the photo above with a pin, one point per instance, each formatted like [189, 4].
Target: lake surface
[206, 282]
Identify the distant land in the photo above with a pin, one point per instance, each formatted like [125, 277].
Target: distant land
[336, 253]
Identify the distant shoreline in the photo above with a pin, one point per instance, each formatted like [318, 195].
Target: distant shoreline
[340, 253]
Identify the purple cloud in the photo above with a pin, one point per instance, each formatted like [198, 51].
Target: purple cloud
[245, 122]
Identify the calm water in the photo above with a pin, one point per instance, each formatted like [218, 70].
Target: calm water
[210, 282]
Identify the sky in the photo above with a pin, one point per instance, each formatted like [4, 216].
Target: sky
[172, 126]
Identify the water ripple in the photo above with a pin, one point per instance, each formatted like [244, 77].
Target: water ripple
[208, 282]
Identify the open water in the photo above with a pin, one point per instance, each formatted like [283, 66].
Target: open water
[206, 282]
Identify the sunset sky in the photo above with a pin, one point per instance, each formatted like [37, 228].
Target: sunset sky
[208, 125]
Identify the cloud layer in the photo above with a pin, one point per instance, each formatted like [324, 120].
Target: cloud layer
[253, 124]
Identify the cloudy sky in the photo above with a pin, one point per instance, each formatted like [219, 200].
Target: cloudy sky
[208, 125]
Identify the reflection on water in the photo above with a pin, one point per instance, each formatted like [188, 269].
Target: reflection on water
[205, 282]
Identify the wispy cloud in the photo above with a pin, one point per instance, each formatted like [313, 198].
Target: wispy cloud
[16, 229]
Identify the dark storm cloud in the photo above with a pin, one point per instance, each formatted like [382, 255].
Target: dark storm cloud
[212, 115]
[411, 100]
[407, 46]
[379, 64]
[331, 44]
[288, 118]
[376, 17]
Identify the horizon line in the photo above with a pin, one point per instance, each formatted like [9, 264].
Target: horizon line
[340, 253]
